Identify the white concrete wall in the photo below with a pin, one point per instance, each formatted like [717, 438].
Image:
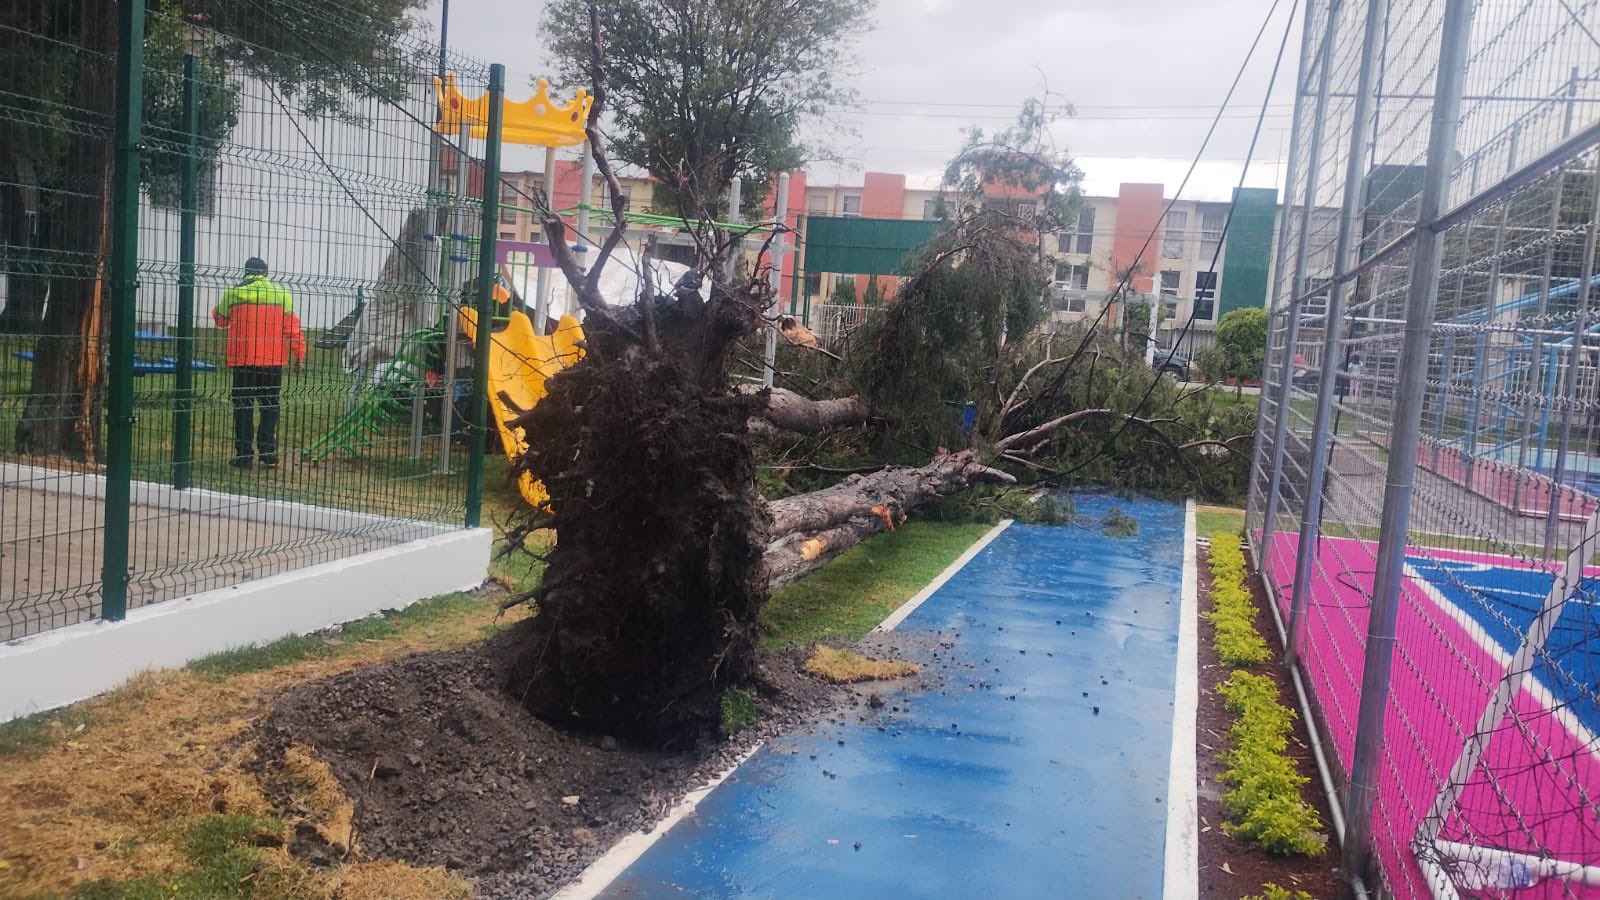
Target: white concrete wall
[69, 664]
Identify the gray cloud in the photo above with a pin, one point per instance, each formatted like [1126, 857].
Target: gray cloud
[1145, 76]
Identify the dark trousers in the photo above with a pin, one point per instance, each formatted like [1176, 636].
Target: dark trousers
[256, 386]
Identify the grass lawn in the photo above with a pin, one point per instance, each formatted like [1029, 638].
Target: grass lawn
[149, 791]
[855, 592]
[1209, 520]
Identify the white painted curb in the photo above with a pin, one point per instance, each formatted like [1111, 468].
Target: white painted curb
[600, 873]
[65, 665]
[1182, 878]
[921, 597]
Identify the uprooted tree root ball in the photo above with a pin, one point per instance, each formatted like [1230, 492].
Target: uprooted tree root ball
[650, 606]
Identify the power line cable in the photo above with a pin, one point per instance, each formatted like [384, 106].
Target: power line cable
[1227, 222]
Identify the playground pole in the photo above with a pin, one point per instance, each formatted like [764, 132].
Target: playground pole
[541, 290]
[452, 321]
[485, 298]
[585, 199]
[1580, 327]
[188, 188]
[1366, 767]
[123, 268]
[1345, 257]
[796, 278]
[1280, 426]
[781, 207]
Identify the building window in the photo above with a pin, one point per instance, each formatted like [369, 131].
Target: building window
[1027, 210]
[508, 197]
[813, 284]
[933, 208]
[1074, 303]
[1205, 296]
[1172, 241]
[1072, 275]
[508, 235]
[1085, 229]
[817, 204]
[852, 204]
[447, 183]
[1169, 283]
[1211, 225]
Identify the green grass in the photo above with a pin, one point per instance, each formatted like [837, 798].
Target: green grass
[851, 595]
[30, 735]
[383, 479]
[1213, 519]
[739, 710]
[220, 862]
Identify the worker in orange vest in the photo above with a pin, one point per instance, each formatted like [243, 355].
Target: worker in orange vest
[263, 337]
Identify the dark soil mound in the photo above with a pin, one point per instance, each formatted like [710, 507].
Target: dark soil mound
[445, 768]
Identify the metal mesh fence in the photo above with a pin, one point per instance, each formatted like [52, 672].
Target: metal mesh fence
[1423, 502]
[280, 418]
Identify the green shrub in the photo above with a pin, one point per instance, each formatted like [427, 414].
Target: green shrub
[1264, 805]
[1233, 611]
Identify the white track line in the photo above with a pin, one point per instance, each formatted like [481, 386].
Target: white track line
[1182, 880]
[1480, 636]
[920, 597]
[624, 853]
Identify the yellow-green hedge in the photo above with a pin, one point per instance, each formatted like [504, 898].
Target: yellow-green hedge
[1264, 805]
[1233, 610]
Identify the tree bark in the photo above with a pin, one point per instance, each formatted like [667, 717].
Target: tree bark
[62, 417]
[789, 411]
[809, 530]
[22, 221]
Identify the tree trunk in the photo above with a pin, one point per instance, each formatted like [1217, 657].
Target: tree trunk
[789, 411]
[809, 530]
[21, 222]
[62, 417]
[650, 607]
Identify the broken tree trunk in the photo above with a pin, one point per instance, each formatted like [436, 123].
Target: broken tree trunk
[789, 411]
[809, 530]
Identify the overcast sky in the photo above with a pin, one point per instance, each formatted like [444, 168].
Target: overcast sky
[1145, 76]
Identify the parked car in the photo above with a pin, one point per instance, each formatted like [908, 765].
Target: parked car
[1174, 364]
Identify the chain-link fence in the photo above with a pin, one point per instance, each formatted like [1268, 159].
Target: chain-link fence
[1423, 503]
[282, 386]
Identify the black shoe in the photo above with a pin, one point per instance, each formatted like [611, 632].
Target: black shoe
[240, 462]
[269, 462]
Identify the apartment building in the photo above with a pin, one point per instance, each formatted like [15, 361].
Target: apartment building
[1190, 256]
[1186, 257]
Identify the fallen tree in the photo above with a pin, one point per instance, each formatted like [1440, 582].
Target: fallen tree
[666, 552]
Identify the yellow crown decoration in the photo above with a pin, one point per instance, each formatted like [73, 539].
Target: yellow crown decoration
[535, 122]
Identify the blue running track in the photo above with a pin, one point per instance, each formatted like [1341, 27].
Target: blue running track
[1004, 782]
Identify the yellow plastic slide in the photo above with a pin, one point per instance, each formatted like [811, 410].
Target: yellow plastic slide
[519, 364]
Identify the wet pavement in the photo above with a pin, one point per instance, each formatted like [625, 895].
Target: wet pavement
[1039, 769]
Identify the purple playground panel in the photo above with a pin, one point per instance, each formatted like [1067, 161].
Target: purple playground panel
[1536, 788]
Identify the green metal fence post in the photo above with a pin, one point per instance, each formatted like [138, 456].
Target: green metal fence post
[485, 298]
[124, 281]
[189, 188]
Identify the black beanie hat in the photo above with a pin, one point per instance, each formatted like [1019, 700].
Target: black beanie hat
[255, 266]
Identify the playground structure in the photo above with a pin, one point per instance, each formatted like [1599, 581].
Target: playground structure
[1425, 500]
